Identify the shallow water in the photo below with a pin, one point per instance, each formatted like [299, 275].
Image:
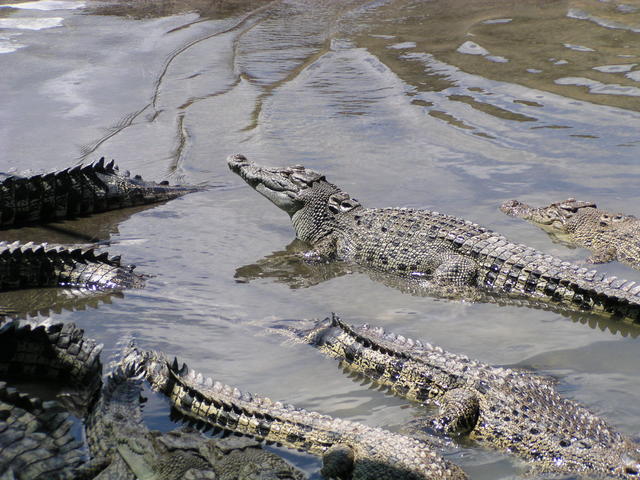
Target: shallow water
[453, 106]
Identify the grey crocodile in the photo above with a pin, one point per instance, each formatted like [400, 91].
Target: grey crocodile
[349, 450]
[81, 190]
[611, 236]
[35, 436]
[509, 410]
[433, 247]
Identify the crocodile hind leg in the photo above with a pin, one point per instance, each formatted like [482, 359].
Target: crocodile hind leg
[459, 412]
[455, 270]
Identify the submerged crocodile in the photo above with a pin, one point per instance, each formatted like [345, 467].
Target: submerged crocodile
[512, 411]
[430, 246]
[349, 450]
[35, 436]
[611, 236]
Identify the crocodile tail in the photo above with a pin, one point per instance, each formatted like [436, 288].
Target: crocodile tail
[210, 404]
[592, 291]
[55, 352]
[118, 411]
[79, 190]
[32, 265]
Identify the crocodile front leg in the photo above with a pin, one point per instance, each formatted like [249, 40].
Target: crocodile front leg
[604, 255]
[338, 462]
[324, 250]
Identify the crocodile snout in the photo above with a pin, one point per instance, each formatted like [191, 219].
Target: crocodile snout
[514, 207]
[237, 161]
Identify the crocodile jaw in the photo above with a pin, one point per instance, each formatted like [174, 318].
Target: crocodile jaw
[285, 186]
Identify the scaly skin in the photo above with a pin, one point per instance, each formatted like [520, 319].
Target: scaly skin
[610, 236]
[116, 432]
[35, 438]
[56, 352]
[81, 190]
[512, 411]
[349, 450]
[438, 248]
[41, 265]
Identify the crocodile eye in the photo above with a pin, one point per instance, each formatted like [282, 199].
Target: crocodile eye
[631, 470]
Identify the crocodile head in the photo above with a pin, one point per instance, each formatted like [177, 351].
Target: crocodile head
[553, 217]
[313, 204]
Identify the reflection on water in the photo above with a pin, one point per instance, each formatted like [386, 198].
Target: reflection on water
[205, 9]
[559, 47]
[50, 301]
[78, 231]
[290, 268]
[454, 106]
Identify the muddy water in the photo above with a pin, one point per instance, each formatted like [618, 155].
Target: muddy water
[449, 105]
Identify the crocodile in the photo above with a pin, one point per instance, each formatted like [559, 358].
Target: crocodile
[81, 190]
[35, 439]
[35, 436]
[53, 351]
[116, 432]
[72, 192]
[349, 450]
[432, 247]
[611, 236]
[514, 411]
[29, 265]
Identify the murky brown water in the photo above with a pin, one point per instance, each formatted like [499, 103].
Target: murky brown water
[450, 105]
